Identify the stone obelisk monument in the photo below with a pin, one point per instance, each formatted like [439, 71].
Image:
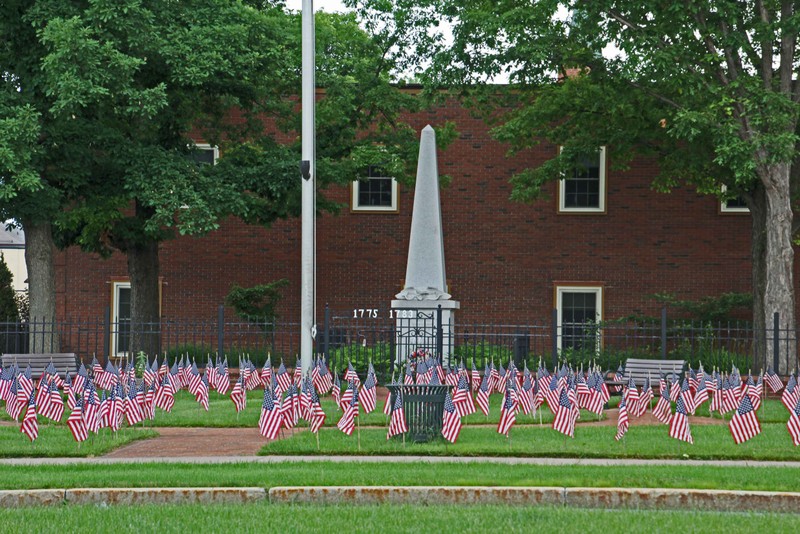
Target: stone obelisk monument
[416, 306]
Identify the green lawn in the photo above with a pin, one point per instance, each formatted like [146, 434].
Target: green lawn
[711, 442]
[371, 518]
[56, 441]
[325, 473]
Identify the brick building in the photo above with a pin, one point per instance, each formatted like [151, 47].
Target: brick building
[597, 246]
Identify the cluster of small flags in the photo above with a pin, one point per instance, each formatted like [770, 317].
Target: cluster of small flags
[290, 396]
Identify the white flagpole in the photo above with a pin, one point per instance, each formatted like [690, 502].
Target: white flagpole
[307, 171]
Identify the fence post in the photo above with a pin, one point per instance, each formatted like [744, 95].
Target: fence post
[554, 336]
[326, 334]
[220, 330]
[107, 333]
[776, 343]
[664, 333]
[439, 333]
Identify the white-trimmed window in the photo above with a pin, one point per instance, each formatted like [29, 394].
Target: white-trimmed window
[204, 154]
[376, 193]
[732, 205]
[583, 190]
[580, 310]
[120, 318]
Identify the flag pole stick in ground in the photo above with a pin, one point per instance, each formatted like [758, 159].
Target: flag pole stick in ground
[317, 434]
[358, 421]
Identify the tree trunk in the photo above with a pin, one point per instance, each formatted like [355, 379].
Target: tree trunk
[145, 321]
[779, 260]
[43, 335]
[757, 204]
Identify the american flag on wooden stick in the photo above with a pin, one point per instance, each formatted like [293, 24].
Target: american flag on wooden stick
[679, 424]
[30, 425]
[622, 420]
[508, 413]
[397, 423]
[744, 423]
[451, 422]
[269, 424]
[794, 424]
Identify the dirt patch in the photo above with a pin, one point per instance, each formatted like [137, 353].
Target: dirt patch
[182, 442]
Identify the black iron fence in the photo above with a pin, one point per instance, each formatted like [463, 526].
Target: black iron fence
[386, 337]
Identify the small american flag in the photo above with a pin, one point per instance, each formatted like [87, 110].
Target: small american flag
[551, 394]
[266, 373]
[201, 395]
[6, 377]
[526, 394]
[462, 398]
[269, 424]
[794, 424]
[729, 398]
[679, 424]
[368, 393]
[239, 395]
[408, 377]
[194, 379]
[316, 415]
[701, 395]
[347, 423]
[773, 381]
[618, 376]
[76, 424]
[91, 408]
[564, 421]
[165, 396]
[80, 380]
[644, 398]
[744, 423]
[351, 374]
[622, 420]
[397, 423]
[631, 394]
[336, 391]
[284, 380]
[133, 411]
[482, 398]
[475, 377]
[791, 394]
[663, 409]
[686, 395]
[451, 423]
[54, 408]
[508, 413]
[30, 426]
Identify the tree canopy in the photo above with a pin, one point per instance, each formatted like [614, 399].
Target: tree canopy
[709, 88]
[105, 98]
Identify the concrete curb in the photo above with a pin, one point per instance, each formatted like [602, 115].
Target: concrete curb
[607, 498]
[128, 496]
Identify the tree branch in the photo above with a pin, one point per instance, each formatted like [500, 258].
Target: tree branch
[788, 41]
[766, 48]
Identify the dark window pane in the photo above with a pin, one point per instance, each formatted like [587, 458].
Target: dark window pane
[202, 156]
[578, 315]
[736, 203]
[123, 319]
[375, 192]
[582, 188]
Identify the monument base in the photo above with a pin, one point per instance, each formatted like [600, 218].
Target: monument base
[417, 327]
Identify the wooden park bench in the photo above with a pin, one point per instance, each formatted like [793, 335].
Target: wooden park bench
[64, 362]
[639, 370]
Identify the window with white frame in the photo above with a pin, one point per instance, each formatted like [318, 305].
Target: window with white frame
[377, 192]
[580, 310]
[583, 190]
[204, 154]
[733, 204]
[120, 318]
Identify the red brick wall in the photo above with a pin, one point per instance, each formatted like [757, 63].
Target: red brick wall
[503, 258]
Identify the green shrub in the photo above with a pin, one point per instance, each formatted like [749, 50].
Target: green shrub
[380, 354]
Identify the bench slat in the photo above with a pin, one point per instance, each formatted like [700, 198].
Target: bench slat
[64, 362]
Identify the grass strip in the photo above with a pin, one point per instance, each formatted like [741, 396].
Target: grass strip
[363, 518]
[325, 473]
[57, 441]
[711, 442]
